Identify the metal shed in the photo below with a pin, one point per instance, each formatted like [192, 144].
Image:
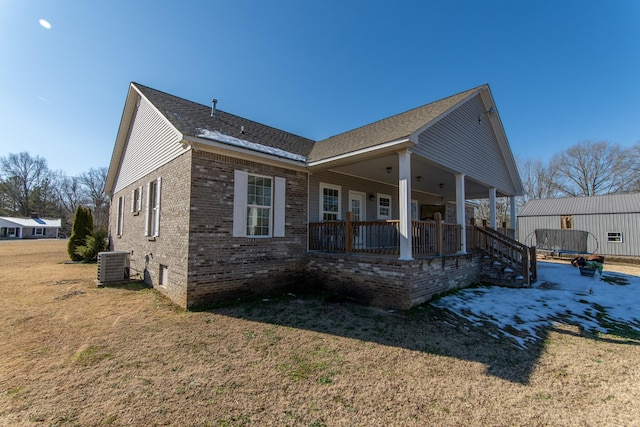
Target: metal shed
[612, 221]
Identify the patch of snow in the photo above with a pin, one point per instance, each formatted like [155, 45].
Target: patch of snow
[572, 298]
[237, 142]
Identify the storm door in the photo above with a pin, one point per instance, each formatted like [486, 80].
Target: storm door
[358, 214]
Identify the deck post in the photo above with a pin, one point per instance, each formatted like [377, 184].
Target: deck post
[404, 197]
[493, 223]
[438, 219]
[512, 211]
[348, 234]
[461, 211]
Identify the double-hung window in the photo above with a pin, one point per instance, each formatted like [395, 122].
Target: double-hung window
[329, 202]
[258, 205]
[259, 196]
[152, 220]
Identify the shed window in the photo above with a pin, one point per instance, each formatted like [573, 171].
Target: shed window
[566, 222]
[614, 236]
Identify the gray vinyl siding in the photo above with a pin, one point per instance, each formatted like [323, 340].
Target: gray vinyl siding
[597, 225]
[442, 144]
[151, 143]
[347, 184]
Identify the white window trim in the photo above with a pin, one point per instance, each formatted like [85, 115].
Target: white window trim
[324, 185]
[378, 214]
[277, 221]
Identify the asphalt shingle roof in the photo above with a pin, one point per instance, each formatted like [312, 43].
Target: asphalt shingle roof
[190, 118]
[604, 204]
[386, 130]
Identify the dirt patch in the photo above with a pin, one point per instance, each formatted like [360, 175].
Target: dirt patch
[124, 356]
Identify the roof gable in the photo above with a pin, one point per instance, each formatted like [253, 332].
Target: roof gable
[394, 128]
[603, 204]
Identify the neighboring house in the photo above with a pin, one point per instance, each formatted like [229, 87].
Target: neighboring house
[29, 228]
[607, 224]
[211, 205]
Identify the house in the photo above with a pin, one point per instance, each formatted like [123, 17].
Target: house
[211, 205]
[607, 224]
[29, 228]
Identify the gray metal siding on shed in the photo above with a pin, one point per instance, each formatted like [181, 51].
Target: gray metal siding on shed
[597, 225]
[151, 143]
[601, 204]
[480, 159]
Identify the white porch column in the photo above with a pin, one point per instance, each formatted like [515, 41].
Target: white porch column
[492, 208]
[512, 210]
[460, 211]
[404, 201]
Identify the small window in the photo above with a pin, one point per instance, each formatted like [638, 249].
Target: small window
[566, 222]
[136, 200]
[614, 236]
[164, 275]
[38, 231]
[384, 206]
[329, 202]
[414, 210]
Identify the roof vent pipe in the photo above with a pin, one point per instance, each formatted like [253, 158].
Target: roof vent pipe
[213, 107]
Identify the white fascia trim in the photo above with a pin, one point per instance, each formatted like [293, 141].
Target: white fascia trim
[243, 153]
[398, 142]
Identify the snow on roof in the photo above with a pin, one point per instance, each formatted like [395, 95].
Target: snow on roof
[33, 222]
[220, 137]
[560, 295]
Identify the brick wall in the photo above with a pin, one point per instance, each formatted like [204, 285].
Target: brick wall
[222, 266]
[392, 283]
[170, 247]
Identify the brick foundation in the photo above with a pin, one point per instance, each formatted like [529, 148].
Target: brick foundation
[393, 283]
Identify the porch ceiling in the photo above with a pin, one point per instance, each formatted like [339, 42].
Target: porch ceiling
[434, 180]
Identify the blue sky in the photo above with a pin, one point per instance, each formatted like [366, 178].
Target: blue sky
[560, 71]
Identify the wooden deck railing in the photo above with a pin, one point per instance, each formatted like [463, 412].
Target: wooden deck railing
[506, 250]
[383, 237]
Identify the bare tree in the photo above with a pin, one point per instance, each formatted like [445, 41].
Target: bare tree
[93, 182]
[538, 180]
[634, 155]
[22, 176]
[503, 212]
[591, 168]
[70, 193]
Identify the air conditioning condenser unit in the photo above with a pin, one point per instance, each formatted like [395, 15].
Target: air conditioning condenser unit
[113, 267]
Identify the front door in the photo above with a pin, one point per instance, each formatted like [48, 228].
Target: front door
[358, 214]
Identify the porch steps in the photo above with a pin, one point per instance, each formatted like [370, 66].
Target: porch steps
[500, 273]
